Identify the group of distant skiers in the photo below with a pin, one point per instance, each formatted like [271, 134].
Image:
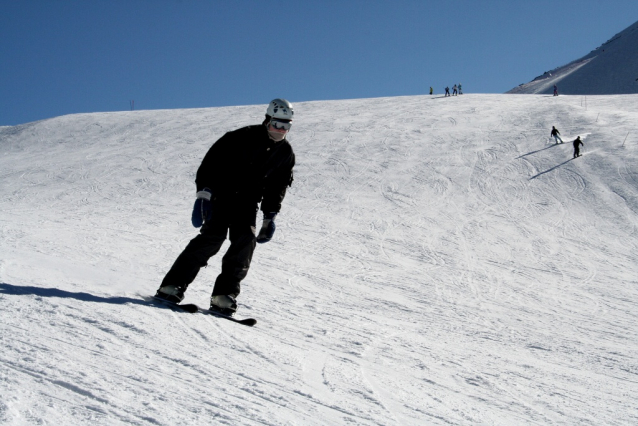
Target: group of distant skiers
[577, 142]
[456, 90]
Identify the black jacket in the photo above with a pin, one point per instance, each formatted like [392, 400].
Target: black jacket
[245, 165]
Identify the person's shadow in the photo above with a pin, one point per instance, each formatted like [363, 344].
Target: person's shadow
[543, 149]
[54, 292]
[539, 150]
[549, 170]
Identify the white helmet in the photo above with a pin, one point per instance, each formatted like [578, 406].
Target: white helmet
[280, 108]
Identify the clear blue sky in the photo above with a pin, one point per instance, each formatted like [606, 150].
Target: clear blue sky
[69, 56]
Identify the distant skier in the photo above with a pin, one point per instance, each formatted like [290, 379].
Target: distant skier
[431, 90]
[447, 91]
[556, 135]
[454, 91]
[244, 167]
[577, 144]
[555, 90]
[460, 89]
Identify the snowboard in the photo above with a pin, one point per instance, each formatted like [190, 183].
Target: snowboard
[193, 308]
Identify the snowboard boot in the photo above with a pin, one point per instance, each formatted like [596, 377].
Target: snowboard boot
[171, 293]
[224, 304]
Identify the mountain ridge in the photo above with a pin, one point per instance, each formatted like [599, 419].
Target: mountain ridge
[610, 69]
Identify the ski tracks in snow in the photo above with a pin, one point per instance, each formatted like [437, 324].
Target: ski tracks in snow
[434, 263]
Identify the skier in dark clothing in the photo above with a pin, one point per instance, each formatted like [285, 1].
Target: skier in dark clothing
[555, 90]
[577, 144]
[243, 168]
[555, 134]
[447, 91]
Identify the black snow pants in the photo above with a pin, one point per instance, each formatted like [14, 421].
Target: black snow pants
[236, 219]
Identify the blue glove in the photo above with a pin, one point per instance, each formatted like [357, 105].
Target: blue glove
[267, 228]
[202, 210]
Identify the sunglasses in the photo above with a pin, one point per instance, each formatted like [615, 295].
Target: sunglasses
[280, 124]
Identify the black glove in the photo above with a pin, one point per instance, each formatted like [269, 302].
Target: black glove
[202, 210]
[267, 228]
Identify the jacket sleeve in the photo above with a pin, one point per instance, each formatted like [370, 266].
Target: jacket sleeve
[276, 186]
[212, 165]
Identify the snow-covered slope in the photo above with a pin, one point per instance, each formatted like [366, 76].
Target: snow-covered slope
[436, 262]
[610, 69]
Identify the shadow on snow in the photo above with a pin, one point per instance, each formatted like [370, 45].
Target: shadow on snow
[540, 150]
[549, 170]
[54, 292]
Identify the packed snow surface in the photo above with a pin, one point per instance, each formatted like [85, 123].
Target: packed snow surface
[437, 261]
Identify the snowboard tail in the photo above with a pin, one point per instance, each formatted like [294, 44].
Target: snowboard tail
[245, 321]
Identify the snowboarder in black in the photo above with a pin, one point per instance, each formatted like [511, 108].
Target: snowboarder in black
[555, 134]
[555, 90]
[577, 144]
[243, 168]
[447, 91]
